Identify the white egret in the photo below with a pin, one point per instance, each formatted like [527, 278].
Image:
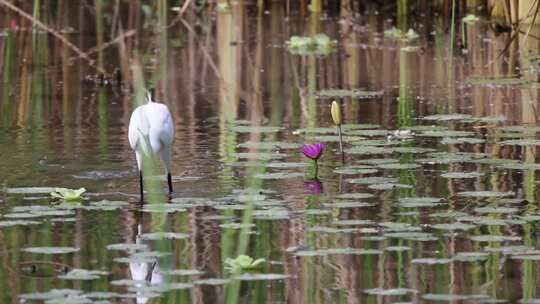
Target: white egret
[151, 133]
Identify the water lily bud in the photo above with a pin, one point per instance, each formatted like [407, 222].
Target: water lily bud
[336, 113]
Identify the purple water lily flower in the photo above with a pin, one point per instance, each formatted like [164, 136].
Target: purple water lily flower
[313, 151]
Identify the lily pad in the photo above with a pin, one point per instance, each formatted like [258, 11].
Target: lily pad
[485, 194]
[278, 175]
[164, 236]
[419, 202]
[446, 117]
[353, 93]
[256, 129]
[83, 274]
[50, 250]
[372, 180]
[457, 175]
[462, 140]
[390, 292]
[355, 195]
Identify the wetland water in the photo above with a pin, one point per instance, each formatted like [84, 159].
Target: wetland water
[443, 211]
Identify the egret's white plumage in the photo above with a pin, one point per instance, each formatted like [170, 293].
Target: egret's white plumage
[151, 131]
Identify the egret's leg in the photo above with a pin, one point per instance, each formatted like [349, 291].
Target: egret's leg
[141, 185]
[169, 180]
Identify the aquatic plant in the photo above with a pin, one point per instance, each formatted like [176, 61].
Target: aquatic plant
[242, 263]
[396, 33]
[69, 195]
[313, 152]
[319, 44]
[335, 110]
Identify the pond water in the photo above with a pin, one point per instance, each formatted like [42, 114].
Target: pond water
[435, 199]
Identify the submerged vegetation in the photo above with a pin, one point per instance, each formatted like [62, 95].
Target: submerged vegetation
[420, 118]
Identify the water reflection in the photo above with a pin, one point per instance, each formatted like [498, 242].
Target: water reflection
[218, 70]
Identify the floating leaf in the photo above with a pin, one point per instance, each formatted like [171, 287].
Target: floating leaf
[350, 170]
[396, 166]
[286, 165]
[520, 142]
[82, 274]
[448, 133]
[431, 261]
[278, 175]
[471, 256]
[356, 195]
[389, 292]
[30, 190]
[389, 186]
[456, 175]
[372, 180]
[462, 140]
[418, 202]
[452, 297]
[262, 277]
[453, 226]
[255, 129]
[485, 194]
[447, 117]
[354, 93]
[50, 250]
[164, 236]
[494, 238]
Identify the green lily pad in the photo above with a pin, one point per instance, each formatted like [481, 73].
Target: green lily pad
[449, 133]
[50, 250]
[453, 297]
[485, 194]
[352, 222]
[494, 238]
[164, 236]
[255, 129]
[453, 226]
[286, 165]
[496, 210]
[519, 166]
[396, 166]
[471, 256]
[446, 117]
[51, 294]
[349, 205]
[356, 195]
[182, 272]
[83, 274]
[389, 292]
[389, 186]
[498, 80]
[457, 175]
[17, 223]
[268, 145]
[520, 142]
[260, 156]
[30, 190]
[212, 281]
[351, 170]
[431, 261]
[278, 175]
[378, 161]
[367, 150]
[419, 202]
[129, 247]
[372, 180]
[353, 93]
[262, 277]
[462, 140]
